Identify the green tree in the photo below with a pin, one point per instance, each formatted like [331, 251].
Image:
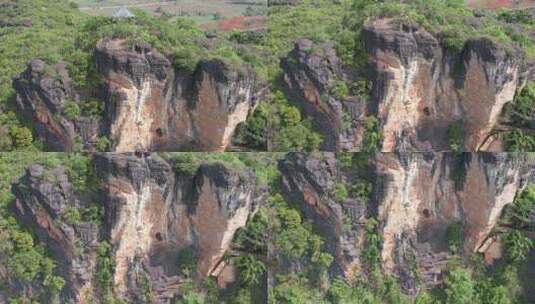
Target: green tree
[72, 110]
[251, 269]
[459, 287]
[21, 137]
[517, 246]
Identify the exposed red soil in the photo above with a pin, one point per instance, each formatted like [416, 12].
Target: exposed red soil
[497, 4]
[240, 23]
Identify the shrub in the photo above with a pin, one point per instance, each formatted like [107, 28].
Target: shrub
[21, 137]
[362, 88]
[361, 190]
[455, 136]
[251, 269]
[187, 262]
[340, 192]
[185, 163]
[72, 110]
[372, 136]
[459, 287]
[105, 269]
[92, 108]
[340, 90]
[519, 141]
[517, 246]
[455, 236]
[72, 216]
[102, 144]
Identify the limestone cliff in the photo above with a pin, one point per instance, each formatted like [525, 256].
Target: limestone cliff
[420, 89]
[149, 105]
[150, 215]
[415, 198]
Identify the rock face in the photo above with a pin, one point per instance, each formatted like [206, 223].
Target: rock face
[43, 92]
[44, 197]
[420, 89]
[416, 198]
[151, 215]
[149, 104]
[311, 73]
[308, 180]
[421, 195]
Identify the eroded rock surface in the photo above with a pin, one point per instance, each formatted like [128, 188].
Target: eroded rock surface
[311, 73]
[151, 215]
[149, 105]
[416, 197]
[43, 92]
[44, 197]
[420, 89]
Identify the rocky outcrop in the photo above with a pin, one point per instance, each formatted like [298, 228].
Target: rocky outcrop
[308, 180]
[311, 74]
[44, 199]
[421, 88]
[151, 215]
[421, 195]
[416, 197]
[43, 92]
[149, 104]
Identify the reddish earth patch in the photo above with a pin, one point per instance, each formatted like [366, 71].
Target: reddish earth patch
[240, 23]
[496, 4]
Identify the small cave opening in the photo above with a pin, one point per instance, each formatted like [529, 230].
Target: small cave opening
[158, 236]
[160, 132]
[427, 213]
[427, 111]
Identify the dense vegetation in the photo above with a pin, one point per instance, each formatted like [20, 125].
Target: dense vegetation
[518, 117]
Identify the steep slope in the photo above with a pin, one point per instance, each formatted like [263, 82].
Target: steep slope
[406, 76]
[416, 199]
[148, 104]
[151, 217]
[420, 90]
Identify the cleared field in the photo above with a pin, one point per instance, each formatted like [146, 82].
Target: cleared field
[202, 11]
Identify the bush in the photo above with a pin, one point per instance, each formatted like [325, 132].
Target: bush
[372, 136]
[251, 269]
[187, 262]
[185, 163]
[517, 246]
[72, 216]
[455, 236]
[105, 269]
[459, 287]
[102, 144]
[455, 136]
[93, 108]
[361, 190]
[340, 192]
[289, 132]
[340, 90]
[519, 141]
[72, 110]
[21, 137]
[362, 88]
